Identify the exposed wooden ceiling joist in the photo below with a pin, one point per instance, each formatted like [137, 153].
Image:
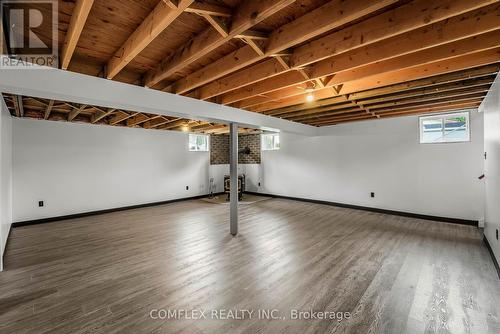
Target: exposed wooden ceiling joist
[401, 19]
[248, 14]
[157, 21]
[292, 97]
[48, 110]
[4, 50]
[390, 42]
[449, 106]
[333, 14]
[19, 106]
[401, 104]
[361, 59]
[76, 111]
[100, 114]
[442, 52]
[78, 19]
[203, 8]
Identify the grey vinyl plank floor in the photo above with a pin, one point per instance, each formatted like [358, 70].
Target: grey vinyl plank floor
[381, 273]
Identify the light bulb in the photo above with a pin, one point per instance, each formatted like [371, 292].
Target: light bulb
[310, 97]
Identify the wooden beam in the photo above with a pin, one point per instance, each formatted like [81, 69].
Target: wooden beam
[140, 118]
[154, 123]
[100, 114]
[253, 34]
[121, 116]
[248, 14]
[440, 67]
[454, 86]
[256, 47]
[76, 24]
[448, 106]
[76, 111]
[455, 94]
[410, 106]
[433, 81]
[421, 112]
[402, 104]
[49, 109]
[329, 16]
[389, 78]
[217, 24]
[399, 20]
[18, 105]
[155, 23]
[479, 21]
[445, 51]
[172, 124]
[4, 50]
[308, 105]
[203, 8]
[267, 68]
[339, 109]
[426, 109]
[468, 25]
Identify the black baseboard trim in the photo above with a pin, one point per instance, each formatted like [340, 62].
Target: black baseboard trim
[99, 212]
[495, 262]
[367, 208]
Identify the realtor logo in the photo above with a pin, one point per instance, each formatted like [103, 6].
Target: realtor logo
[30, 33]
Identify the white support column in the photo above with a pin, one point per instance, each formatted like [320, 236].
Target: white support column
[233, 171]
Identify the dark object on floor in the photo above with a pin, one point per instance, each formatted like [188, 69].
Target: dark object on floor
[241, 186]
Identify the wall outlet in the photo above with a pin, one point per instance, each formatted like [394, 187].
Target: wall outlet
[372, 194]
[40, 204]
[480, 223]
[187, 187]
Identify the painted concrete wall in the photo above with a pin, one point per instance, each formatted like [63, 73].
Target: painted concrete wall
[77, 168]
[5, 177]
[349, 161]
[491, 109]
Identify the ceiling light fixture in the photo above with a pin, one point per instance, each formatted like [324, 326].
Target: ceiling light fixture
[310, 97]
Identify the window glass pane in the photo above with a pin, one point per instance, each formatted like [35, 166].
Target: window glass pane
[276, 142]
[432, 130]
[192, 143]
[455, 129]
[270, 141]
[198, 142]
[447, 128]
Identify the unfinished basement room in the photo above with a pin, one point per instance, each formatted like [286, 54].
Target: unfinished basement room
[249, 166]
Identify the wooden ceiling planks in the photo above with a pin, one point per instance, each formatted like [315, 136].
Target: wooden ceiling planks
[363, 59]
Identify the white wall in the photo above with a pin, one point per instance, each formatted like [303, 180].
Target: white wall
[77, 168]
[5, 177]
[383, 156]
[491, 109]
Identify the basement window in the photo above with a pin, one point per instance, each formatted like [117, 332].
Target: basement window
[445, 128]
[270, 141]
[198, 143]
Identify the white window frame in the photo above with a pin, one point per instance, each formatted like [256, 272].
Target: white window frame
[442, 117]
[197, 149]
[275, 147]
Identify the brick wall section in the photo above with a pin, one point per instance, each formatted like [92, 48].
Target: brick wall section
[219, 149]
